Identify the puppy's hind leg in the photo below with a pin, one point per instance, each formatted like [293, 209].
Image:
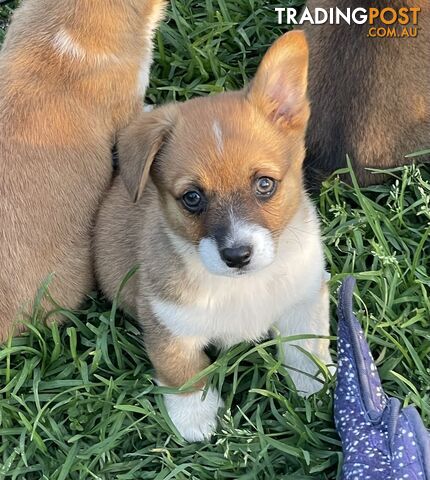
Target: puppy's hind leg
[308, 318]
[177, 360]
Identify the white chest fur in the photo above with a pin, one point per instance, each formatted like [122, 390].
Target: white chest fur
[229, 310]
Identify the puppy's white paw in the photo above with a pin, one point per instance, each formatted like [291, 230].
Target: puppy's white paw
[305, 385]
[195, 419]
[308, 385]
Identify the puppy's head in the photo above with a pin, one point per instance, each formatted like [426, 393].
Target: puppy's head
[228, 168]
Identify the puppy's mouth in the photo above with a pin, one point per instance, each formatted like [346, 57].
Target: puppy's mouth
[249, 252]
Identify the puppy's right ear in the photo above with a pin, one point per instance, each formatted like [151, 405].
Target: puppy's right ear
[138, 145]
[279, 87]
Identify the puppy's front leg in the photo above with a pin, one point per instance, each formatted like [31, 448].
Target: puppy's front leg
[310, 317]
[177, 360]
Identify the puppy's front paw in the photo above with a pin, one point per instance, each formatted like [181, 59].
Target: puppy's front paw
[308, 385]
[305, 385]
[195, 419]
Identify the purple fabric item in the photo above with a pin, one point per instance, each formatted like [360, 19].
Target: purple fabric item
[380, 439]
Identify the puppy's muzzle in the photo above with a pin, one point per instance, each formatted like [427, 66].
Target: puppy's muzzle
[237, 257]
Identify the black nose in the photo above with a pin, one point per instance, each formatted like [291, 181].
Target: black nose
[236, 257]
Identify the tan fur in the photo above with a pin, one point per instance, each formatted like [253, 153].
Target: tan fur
[175, 359]
[68, 83]
[370, 97]
[258, 138]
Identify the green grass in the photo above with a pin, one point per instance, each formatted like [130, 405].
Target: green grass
[79, 401]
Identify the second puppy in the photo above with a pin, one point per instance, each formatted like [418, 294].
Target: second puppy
[210, 204]
[371, 97]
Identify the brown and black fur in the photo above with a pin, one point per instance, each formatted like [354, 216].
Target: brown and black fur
[370, 97]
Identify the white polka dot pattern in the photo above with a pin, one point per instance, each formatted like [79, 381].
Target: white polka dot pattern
[380, 439]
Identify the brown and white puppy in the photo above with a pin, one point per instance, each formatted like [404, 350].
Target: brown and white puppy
[370, 97]
[210, 205]
[70, 77]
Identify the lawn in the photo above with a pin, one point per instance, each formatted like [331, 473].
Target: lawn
[79, 401]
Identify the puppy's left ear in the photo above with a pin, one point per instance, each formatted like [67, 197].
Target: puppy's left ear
[279, 88]
[139, 144]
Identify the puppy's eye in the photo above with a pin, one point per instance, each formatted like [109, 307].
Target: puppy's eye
[265, 187]
[193, 201]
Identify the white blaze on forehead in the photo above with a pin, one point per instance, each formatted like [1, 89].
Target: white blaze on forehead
[219, 142]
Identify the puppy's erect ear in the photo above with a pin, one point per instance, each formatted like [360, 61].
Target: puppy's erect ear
[280, 85]
[138, 145]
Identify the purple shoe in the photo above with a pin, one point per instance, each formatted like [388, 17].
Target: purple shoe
[380, 439]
